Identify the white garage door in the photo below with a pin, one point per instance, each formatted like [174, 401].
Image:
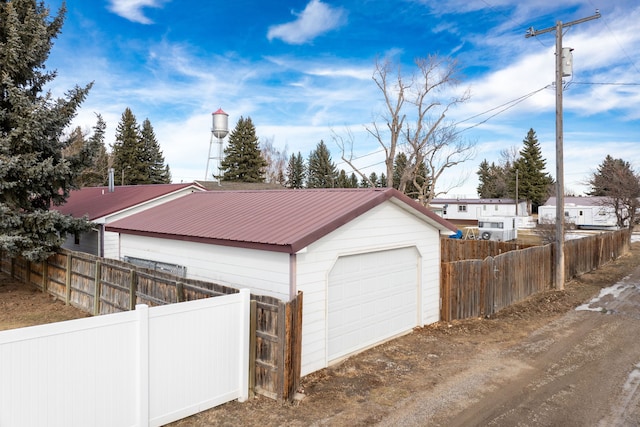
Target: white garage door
[372, 297]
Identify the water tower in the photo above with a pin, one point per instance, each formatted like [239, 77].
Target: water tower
[219, 130]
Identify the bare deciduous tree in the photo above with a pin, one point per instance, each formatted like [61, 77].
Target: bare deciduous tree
[616, 180]
[414, 121]
[277, 160]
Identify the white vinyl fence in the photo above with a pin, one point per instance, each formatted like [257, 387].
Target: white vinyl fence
[145, 367]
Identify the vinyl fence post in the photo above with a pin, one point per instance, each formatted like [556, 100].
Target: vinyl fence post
[143, 365]
[245, 346]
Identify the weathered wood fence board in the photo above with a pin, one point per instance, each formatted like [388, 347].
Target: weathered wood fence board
[481, 287]
[459, 250]
[278, 343]
[102, 286]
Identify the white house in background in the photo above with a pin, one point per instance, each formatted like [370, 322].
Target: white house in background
[102, 206]
[468, 211]
[584, 212]
[366, 260]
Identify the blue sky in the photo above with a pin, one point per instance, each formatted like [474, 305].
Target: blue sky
[301, 69]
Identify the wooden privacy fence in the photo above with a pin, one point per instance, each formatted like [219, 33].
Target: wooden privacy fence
[102, 286]
[459, 250]
[481, 287]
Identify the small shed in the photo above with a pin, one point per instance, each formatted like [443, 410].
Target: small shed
[101, 205]
[366, 260]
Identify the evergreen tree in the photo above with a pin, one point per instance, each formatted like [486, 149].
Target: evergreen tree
[342, 181]
[399, 165]
[420, 185]
[34, 175]
[373, 178]
[382, 181]
[533, 184]
[130, 161]
[243, 161]
[98, 172]
[94, 154]
[322, 171]
[158, 172]
[485, 183]
[137, 157]
[353, 180]
[296, 171]
[420, 175]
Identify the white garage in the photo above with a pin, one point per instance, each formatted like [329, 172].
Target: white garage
[366, 260]
[372, 297]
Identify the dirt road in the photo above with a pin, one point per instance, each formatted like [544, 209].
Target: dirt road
[580, 370]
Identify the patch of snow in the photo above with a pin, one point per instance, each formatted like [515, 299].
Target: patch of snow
[613, 290]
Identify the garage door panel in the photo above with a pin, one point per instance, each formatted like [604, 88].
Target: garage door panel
[371, 297]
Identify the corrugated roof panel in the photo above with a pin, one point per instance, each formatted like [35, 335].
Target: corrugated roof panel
[288, 219]
[97, 202]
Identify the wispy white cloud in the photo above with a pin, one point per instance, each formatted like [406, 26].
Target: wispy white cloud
[317, 18]
[132, 9]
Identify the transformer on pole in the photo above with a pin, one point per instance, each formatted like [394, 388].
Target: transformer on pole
[219, 130]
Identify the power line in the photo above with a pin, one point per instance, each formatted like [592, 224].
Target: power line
[606, 24]
[605, 84]
[508, 104]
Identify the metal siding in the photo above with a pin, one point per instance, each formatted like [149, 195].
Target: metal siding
[265, 273]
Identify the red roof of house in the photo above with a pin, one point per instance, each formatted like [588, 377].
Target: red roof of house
[276, 220]
[97, 202]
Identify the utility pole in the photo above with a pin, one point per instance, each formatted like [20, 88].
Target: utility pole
[559, 252]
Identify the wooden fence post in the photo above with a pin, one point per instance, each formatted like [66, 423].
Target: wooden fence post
[68, 280]
[282, 344]
[252, 348]
[179, 291]
[133, 288]
[45, 274]
[97, 289]
[27, 273]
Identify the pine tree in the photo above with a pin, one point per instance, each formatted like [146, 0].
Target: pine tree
[98, 173]
[296, 171]
[243, 161]
[88, 153]
[354, 180]
[399, 165]
[158, 172]
[322, 171]
[534, 184]
[129, 157]
[34, 175]
[373, 178]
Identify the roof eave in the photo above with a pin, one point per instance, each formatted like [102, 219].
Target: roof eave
[272, 247]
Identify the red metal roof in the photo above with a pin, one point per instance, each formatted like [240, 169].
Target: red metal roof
[276, 220]
[97, 202]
